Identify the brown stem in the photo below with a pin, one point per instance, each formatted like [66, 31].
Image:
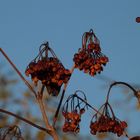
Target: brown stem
[54, 135]
[42, 108]
[24, 120]
[113, 115]
[41, 91]
[120, 83]
[49, 129]
[52, 131]
[61, 99]
[18, 72]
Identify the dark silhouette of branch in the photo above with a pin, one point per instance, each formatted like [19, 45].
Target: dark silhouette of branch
[121, 83]
[85, 101]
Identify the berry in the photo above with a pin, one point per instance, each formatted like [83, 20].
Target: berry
[90, 55]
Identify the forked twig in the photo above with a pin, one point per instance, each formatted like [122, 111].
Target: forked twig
[50, 130]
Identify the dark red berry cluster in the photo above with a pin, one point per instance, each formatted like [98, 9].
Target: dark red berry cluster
[89, 58]
[72, 120]
[106, 123]
[49, 70]
[72, 113]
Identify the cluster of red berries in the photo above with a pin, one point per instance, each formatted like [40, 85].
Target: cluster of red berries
[72, 117]
[89, 58]
[106, 123]
[50, 71]
[72, 120]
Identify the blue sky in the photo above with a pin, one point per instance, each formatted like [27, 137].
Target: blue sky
[24, 25]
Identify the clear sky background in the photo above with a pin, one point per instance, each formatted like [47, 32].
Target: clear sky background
[24, 25]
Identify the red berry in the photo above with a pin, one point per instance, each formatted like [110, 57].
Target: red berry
[138, 19]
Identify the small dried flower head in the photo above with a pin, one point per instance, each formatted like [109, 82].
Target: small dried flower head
[10, 133]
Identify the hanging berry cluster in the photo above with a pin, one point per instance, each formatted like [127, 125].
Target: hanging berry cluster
[107, 122]
[72, 111]
[49, 70]
[89, 58]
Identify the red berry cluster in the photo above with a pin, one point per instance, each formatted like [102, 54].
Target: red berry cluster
[72, 117]
[106, 123]
[50, 71]
[72, 120]
[89, 58]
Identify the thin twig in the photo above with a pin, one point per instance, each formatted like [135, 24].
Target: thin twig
[61, 99]
[23, 119]
[45, 118]
[52, 131]
[125, 134]
[18, 72]
[88, 104]
[41, 91]
[120, 83]
[41, 104]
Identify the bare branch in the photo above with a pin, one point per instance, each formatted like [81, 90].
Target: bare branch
[52, 131]
[121, 83]
[18, 72]
[24, 120]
